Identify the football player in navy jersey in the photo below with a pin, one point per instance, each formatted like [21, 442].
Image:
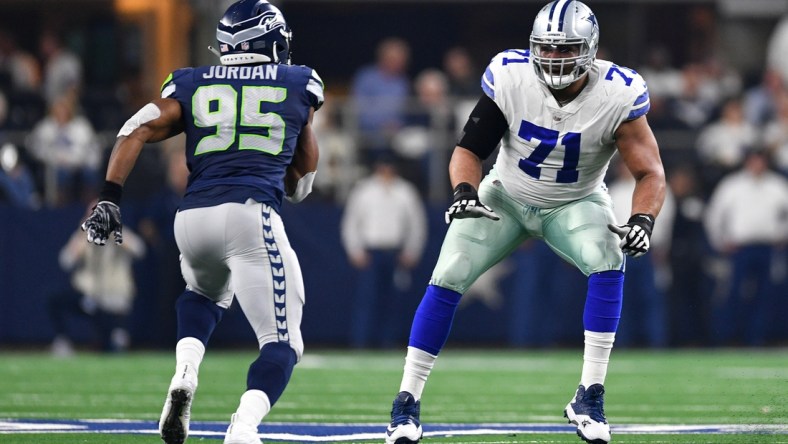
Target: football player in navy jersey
[559, 115]
[249, 145]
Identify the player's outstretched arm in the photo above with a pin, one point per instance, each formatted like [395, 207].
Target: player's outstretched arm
[640, 153]
[156, 121]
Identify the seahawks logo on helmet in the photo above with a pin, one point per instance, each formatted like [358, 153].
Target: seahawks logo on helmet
[253, 31]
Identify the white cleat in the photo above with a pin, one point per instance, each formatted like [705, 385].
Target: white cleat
[586, 411]
[241, 433]
[174, 422]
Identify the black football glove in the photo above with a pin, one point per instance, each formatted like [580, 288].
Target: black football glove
[105, 216]
[466, 204]
[635, 234]
[104, 219]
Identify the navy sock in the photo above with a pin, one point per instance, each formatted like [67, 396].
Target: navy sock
[603, 302]
[433, 319]
[271, 372]
[197, 316]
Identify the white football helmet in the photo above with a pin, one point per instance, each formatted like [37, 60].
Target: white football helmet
[566, 26]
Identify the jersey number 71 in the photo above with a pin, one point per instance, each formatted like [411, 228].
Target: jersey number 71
[548, 140]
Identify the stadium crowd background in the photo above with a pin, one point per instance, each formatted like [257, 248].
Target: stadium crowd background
[71, 72]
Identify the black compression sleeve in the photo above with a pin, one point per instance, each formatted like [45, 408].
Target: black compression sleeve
[484, 129]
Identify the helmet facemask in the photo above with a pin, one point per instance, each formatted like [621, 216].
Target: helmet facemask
[560, 72]
[564, 42]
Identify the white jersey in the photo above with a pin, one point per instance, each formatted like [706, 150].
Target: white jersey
[556, 154]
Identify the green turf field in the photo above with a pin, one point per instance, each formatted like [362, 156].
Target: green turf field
[698, 387]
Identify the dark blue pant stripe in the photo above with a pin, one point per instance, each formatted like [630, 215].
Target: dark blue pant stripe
[277, 275]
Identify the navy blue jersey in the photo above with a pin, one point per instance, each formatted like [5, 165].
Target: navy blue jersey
[241, 125]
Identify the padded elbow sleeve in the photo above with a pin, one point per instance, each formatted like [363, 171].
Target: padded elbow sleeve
[484, 128]
[144, 115]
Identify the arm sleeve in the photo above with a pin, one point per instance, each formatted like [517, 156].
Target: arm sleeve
[484, 129]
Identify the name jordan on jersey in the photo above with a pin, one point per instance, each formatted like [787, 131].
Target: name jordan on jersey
[257, 72]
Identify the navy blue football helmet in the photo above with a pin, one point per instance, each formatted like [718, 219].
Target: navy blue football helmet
[253, 31]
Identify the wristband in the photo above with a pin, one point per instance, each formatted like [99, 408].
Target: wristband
[464, 188]
[111, 192]
[645, 221]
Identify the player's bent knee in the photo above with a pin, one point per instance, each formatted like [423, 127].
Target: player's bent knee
[598, 256]
[293, 340]
[197, 316]
[271, 371]
[454, 273]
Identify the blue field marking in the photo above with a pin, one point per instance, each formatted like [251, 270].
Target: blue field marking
[322, 432]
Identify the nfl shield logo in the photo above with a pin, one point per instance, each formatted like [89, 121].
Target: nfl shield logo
[245, 46]
[224, 47]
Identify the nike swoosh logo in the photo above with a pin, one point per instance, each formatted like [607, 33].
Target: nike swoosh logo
[390, 430]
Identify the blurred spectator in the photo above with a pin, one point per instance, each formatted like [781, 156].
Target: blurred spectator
[747, 220]
[706, 86]
[693, 107]
[19, 70]
[775, 135]
[62, 68]
[721, 145]
[464, 77]
[644, 312]
[665, 84]
[422, 140]
[66, 145]
[664, 80]
[384, 230]
[338, 167]
[380, 94]
[777, 48]
[721, 82]
[17, 186]
[760, 101]
[462, 73]
[688, 296]
[102, 290]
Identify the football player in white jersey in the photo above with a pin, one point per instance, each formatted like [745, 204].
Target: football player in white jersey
[559, 115]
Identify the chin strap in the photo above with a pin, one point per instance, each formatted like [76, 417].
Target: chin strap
[214, 50]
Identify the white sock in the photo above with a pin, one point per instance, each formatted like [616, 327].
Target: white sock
[596, 356]
[418, 365]
[188, 357]
[253, 407]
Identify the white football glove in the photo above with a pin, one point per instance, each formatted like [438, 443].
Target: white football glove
[635, 234]
[466, 204]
